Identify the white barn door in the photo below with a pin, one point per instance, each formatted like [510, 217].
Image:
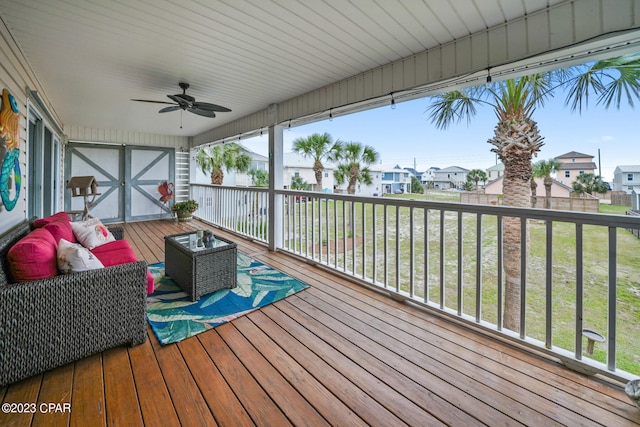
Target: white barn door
[128, 178]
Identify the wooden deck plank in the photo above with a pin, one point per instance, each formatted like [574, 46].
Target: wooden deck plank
[54, 399]
[325, 402]
[294, 405]
[225, 406]
[189, 403]
[122, 404]
[282, 329]
[257, 402]
[25, 391]
[88, 400]
[151, 388]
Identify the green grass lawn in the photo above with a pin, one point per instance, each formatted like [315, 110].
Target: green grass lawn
[563, 273]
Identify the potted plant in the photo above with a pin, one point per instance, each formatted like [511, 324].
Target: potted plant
[184, 209]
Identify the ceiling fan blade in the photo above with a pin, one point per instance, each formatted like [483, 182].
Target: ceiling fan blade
[200, 112]
[170, 108]
[179, 100]
[155, 102]
[211, 107]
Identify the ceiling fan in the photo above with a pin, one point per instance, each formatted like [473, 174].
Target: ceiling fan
[182, 101]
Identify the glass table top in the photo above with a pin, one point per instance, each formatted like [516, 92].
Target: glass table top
[193, 242]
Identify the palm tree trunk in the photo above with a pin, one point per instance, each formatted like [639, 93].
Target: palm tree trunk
[547, 190]
[217, 176]
[516, 192]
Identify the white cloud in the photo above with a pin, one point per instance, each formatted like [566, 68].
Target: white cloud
[607, 138]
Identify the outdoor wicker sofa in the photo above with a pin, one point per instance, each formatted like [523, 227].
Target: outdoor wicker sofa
[51, 322]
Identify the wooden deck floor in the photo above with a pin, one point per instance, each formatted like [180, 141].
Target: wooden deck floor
[334, 354]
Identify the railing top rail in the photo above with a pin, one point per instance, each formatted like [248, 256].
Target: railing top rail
[233, 187]
[609, 220]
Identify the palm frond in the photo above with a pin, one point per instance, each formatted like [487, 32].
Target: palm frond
[452, 107]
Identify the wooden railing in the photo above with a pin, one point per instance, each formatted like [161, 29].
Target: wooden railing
[578, 271]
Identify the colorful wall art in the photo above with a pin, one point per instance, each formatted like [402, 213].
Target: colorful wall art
[10, 134]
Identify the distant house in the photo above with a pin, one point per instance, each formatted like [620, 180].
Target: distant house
[428, 175]
[558, 189]
[395, 180]
[572, 165]
[298, 165]
[626, 177]
[451, 177]
[495, 171]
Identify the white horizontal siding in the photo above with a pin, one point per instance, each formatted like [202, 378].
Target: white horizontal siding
[558, 27]
[119, 136]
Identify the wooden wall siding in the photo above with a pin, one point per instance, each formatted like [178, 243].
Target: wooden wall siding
[557, 27]
[119, 136]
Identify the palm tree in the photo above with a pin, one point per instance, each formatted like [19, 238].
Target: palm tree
[544, 169]
[589, 183]
[517, 139]
[354, 160]
[298, 183]
[260, 177]
[318, 147]
[477, 175]
[218, 158]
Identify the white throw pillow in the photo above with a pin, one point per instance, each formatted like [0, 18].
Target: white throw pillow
[91, 233]
[73, 257]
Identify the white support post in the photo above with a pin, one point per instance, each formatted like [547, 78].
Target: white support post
[276, 213]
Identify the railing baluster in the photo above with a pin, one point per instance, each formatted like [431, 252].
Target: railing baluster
[344, 235]
[460, 263]
[397, 239]
[426, 254]
[386, 246]
[412, 244]
[499, 240]
[612, 299]
[327, 228]
[579, 291]
[549, 286]
[479, 290]
[353, 237]
[374, 251]
[442, 262]
[523, 276]
[364, 241]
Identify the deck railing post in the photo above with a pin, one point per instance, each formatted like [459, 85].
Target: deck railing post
[276, 179]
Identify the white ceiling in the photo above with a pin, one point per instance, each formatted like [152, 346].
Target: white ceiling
[93, 56]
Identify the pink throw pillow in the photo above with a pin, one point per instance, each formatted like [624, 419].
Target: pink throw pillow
[33, 257]
[61, 229]
[60, 216]
[120, 252]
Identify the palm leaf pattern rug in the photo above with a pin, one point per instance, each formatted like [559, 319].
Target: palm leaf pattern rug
[174, 317]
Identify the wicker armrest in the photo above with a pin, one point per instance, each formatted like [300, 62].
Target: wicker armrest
[117, 231]
[48, 323]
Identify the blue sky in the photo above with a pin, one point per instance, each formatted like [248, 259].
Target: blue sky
[405, 134]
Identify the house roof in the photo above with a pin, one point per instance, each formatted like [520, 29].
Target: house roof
[498, 167]
[574, 154]
[578, 166]
[627, 168]
[453, 169]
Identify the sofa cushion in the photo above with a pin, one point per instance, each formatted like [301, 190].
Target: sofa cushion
[119, 252]
[73, 257]
[60, 229]
[33, 257]
[91, 233]
[60, 216]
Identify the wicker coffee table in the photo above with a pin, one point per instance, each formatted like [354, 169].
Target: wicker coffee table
[199, 268]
